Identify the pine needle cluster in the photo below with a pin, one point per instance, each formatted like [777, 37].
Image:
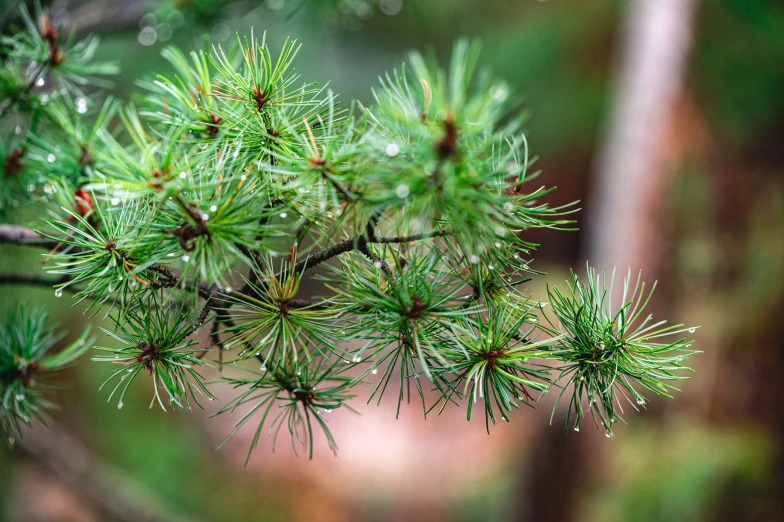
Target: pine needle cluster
[211, 201]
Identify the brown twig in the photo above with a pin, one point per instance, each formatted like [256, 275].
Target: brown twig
[32, 280]
[359, 243]
[19, 235]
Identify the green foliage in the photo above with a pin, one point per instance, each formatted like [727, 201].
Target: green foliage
[295, 398]
[100, 252]
[607, 351]
[455, 152]
[274, 326]
[406, 310]
[39, 58]
[68, 62]
[26, 359]
[214, 201]
[153, 337]
[493, 361]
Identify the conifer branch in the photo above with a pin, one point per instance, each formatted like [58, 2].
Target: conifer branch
[32, 280]
[24, 236]
[358, 243]
[229, 163]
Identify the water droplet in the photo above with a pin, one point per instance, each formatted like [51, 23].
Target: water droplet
[11, 441]
[129, 370]
[497, 244]
[115, 201]
[390, 7]
[116, 356]
[577, 428]
[221, 32]
[81, 105]
[263, 368]
[275, 5]
[532, 319]
[508, 206]
[147, 36]
[148, 20]
[283, 215]
[299, 372]
[378, 264]
[213, 208]
[119, 405]
[205, 217]
[692, 330]
[186, 258]
[50, 158]
[608, 434]
[40, 82]
[402, 191]
[243, 177]
[183, 175]
[490, 267]
[640, 401]
[19, 398]
[474, 259]
[375, 371]
[392, 150]
[58, 292]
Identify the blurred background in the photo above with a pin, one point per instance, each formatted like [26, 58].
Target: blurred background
[665, 118]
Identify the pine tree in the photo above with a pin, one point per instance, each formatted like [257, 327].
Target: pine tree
[210, 202]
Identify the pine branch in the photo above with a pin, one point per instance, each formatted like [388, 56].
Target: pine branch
[411, 238]
[24, 236]
[8, 103]
[32, 280]
[173, 280]
[239, 154]
[359, 243]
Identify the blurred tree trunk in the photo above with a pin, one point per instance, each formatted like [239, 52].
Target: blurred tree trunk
[628, 187]
[629, 179]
